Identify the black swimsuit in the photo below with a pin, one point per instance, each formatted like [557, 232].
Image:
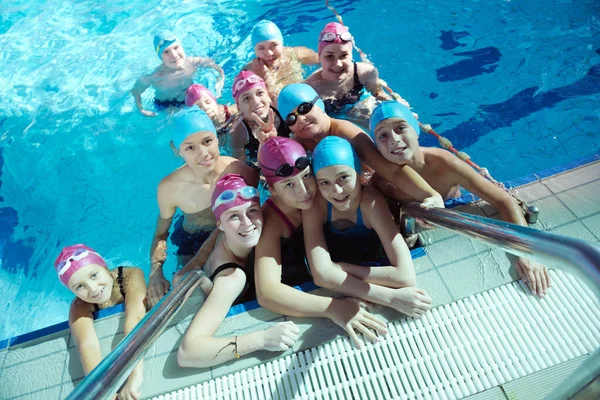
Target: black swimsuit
[248, 292]
[251, 147]
[333, 106]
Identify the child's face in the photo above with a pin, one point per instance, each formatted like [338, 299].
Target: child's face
[297, 191]
[396, 140]
[310, 125]
[173, 56]
[210, 106]
[339, 185]
[269, 51]
[243, 224]
[92, 284]
[200, 150]
[336, 60]
[255, 100]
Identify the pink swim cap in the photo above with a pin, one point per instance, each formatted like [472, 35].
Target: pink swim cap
[280, 151]
[231, 191]
[195, 93]
[334, 33]
[73, 258]
[245, 81]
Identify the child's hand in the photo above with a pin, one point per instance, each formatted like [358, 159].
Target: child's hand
[158, 286]
[535, 274]
[259, 68]
[281, 336]
[433, 202]
[349, 315]
[131, 389]
[148, 113]
[267, 128]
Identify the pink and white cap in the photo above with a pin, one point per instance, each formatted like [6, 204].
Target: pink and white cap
[73, 258]
[242, 194]
[335, 28]
[195, 92]
[245, 81]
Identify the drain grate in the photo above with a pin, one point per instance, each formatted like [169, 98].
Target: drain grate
[452, 352]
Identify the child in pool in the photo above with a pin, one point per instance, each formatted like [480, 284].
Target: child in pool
[349, 89]
[395, 132]
[259, 120]
[280, 257]
[189, 188]
[222, 115]
[276, 64]
[356, 217]
[84, 272]
[310, 125]
[236, 207]
[171, 79]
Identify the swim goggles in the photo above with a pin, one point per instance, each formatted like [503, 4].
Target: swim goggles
[228, 196]
[331, 36]
[303, 109]
[285, 170]
[239, 85]
[79, 255]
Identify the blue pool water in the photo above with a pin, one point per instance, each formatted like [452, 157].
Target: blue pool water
[516, 84]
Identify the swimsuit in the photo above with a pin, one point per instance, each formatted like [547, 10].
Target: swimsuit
[162, 105]
[294, 268]
[188, 243]
[248, 292]
[120, 283]
[356, 245]
[338, 108]
[251, 148]
[226, 127]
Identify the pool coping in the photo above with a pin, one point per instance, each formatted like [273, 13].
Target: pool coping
[308, 286]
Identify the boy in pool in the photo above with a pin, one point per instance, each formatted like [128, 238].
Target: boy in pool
[171, 79]
[222, 115]
[276, 64]
[189, 188]
[85, 273]
[395, 132]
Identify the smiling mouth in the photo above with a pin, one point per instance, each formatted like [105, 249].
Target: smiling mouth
[343, 199]
[100, 293]
[248, 233]
[399, 150]
[205, 162]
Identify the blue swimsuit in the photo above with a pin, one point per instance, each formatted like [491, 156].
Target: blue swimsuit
[338, 108]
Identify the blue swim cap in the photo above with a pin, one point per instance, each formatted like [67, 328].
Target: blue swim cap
[334, 150]
[162, 40]
[392, 109]
[265, 30]
[295, 94]
[188, 121]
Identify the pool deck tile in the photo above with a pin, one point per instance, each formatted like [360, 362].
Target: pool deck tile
[582, 200]
[494, 393]
[579, 230]
[36, 349]
[553, 213]
[34, 375]
[593, 224]
[573, 178]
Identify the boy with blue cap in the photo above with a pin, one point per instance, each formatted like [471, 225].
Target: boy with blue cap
[349, 225]
[395, 132]
[189, 189]
[171, 79]
[275, 64]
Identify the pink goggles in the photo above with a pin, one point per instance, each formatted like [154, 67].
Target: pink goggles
[243, 85]
[80, 258]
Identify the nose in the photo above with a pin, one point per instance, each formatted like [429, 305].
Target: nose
[338, 63]
[337, 188]
[201, 152]
[302, 188]
[270, 52]
[245, 221]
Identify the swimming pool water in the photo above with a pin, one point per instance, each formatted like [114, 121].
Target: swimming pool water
[514, 83]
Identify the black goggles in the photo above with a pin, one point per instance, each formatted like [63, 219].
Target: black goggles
[303, 109]
[285, 170]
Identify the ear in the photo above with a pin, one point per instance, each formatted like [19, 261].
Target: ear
[219, 226]
[271, 190]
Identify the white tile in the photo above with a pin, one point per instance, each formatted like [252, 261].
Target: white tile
[73, 368]
[315, 331]
[577, 230]
[533, 191]
[573, 178]
[47, 394]
[490, 394]
[422, 264]
[552, 213]
[593, 223]
[36, 349]
[582, 200]
[34, 375]
[435, 287]
[456, 248]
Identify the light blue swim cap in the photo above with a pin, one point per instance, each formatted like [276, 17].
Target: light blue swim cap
[295, 94]
[334, 150]
[392, 109]
[162, 40]
[188, 121]
[265, 30]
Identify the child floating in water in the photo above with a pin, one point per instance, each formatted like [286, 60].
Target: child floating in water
[349, 224]
[84, 272]
[395, 131]
[171, 79]
[222, 115]
[236, 207]
[276, 64]
[189, 188]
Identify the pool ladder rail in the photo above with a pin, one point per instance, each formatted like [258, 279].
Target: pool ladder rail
[574, 256]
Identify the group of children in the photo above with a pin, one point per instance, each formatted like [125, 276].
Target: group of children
[327, 218]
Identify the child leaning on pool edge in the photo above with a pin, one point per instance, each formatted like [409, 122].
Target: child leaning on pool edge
[171, 79]
[85, 273]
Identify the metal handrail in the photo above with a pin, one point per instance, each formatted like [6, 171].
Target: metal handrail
[573, 255]
[576, 256]
[114, 369]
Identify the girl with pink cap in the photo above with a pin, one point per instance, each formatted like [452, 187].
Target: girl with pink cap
[276, 64]
[347, 88]
[84, 272]
[280, 258]
[222, 115]
[236, 207]
[259, 119]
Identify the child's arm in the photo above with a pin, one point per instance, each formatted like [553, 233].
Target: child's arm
[200, 350]
[272, 294]
[210, 63]
[237, 139]
[400, 175]
[306, 56]
[370, 77]
[140, 87]
[82, 328]
[135, 309]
